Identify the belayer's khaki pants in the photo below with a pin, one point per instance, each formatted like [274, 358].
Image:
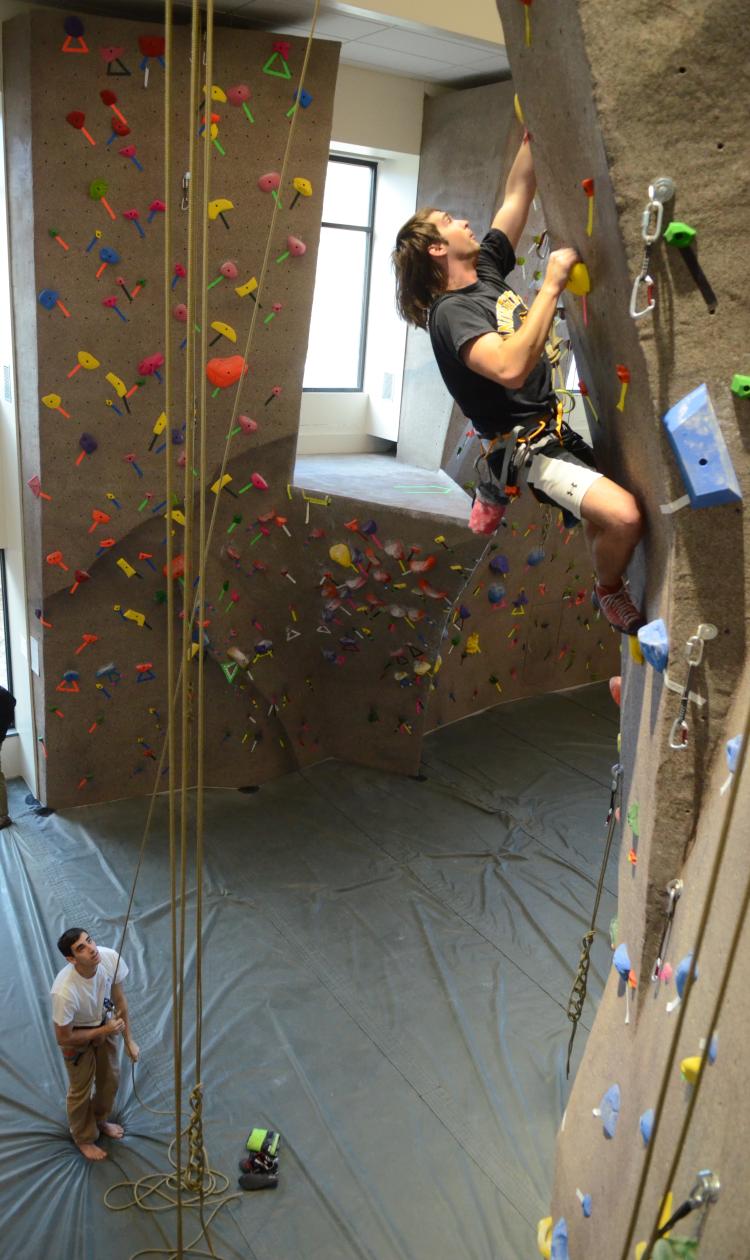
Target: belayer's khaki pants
[93, 1077]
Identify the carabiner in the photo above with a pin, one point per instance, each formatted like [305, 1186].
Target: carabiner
[653, 207]
[635, 293]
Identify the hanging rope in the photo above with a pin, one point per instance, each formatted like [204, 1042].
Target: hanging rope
[739, 926]
[578, 992]
[672, 1056]
[201, 1181]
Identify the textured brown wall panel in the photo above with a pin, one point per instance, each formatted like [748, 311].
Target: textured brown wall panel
[624, 97]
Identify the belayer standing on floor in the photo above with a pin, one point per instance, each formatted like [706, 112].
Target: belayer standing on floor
[89, 1013]
[491, 353]
[7, 709]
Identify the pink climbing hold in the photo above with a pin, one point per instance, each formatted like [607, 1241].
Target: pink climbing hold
[269, 182]
[247, 424]
[259, 482]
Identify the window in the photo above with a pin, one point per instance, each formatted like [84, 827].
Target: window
[5, 679]
[336, 349]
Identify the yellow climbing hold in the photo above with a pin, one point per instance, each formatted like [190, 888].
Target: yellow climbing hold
[579, 280]
[340, 554]
[635, 649]
[544, 1237]
[519, 111]
[690, 1067]
[471, 646]
[666, 1212]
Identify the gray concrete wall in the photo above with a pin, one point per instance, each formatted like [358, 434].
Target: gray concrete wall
[465, 140]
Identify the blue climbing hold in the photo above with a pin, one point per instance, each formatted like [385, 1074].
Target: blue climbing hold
[586, 1205]
[713, 1049]
[681, 974]
[733, 752]
[609, 1109]
[646, 1124]
[500, 564]
[701, 452]
[535, 557]
[559, 1248]
[621, 961]
[496, 593]
[654, 642]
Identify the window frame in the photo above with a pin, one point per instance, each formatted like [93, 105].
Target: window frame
[5, 621]
[369, 230]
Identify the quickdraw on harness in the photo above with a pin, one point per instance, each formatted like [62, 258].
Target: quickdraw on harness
[578, 992]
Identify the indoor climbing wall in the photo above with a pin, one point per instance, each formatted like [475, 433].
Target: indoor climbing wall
[657, 210]
[330, 627]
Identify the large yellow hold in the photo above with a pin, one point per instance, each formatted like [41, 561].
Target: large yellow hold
[340, 554]
[579, 280]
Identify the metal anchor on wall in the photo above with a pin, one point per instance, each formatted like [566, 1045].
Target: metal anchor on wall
[705, 1192]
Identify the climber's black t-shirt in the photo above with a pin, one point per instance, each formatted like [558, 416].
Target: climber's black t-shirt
[488, 305]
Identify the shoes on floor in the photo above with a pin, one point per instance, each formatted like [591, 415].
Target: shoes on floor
[618, 608]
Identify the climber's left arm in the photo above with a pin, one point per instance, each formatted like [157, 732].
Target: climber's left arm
[520, 188]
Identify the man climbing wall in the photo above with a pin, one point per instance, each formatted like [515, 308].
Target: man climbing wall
[491, 353]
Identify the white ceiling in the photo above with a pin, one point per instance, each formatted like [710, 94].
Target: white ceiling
[412, 49]
[376, 43]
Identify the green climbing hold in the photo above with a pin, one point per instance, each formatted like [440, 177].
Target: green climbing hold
[675, 1249]
[741, 385]
[679, 234]
[633, 822]
[614, 931]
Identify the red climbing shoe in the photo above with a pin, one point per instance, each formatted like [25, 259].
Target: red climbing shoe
[618, 608]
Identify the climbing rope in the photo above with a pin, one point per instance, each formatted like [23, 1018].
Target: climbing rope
[672, 1056]
[577, 997]
[203, 1183]
[720, 997]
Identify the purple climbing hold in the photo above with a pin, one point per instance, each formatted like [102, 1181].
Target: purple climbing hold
[646, 1124]
[681, 973]
[559, 1248]
[733, 752]
[499, 564]
[621, 961]
[463, 612]
[609, 1110]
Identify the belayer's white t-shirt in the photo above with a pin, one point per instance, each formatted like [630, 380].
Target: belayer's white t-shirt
[78, 999]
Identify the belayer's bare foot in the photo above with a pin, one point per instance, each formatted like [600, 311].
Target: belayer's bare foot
[90, 1151]
[111, 1130]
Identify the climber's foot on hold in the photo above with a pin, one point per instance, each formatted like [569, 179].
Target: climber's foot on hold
[618, 608]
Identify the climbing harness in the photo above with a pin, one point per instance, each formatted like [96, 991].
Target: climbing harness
[578, 992]
[660, 192]
[674, 892]
[678, 735]
[507, 454]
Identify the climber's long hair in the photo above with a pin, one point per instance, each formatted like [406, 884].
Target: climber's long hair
[420, 278]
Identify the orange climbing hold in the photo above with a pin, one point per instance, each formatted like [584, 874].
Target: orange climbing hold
[223, 373]
[178, 567]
